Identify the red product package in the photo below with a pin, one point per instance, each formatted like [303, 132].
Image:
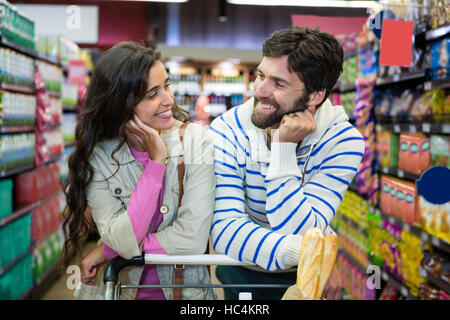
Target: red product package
[26, 188]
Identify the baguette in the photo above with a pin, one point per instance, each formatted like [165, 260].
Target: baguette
[329, 257]
[310, 262]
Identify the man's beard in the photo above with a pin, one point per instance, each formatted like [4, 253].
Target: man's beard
[263, 121]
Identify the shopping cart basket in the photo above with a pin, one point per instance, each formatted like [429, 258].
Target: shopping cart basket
[113, 287]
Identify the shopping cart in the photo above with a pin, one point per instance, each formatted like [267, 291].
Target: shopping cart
[113, 287]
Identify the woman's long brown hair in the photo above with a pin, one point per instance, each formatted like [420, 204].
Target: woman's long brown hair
[119, 81]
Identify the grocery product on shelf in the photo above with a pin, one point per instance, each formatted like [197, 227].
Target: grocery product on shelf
[434, 219]
[387, 144]
[45, 218]
[17, 150]
[439, 59]
[15, 239]
[431, 292]
[16, 68]
[440, 151]
[38, 184]
[439, 13]
[6, 197]
[224, 85]
[17, 109]
[17, 280]
[354, 281]
[366, 179]
[414, 153]
[16, 25]
[45, 255]
[68, 124]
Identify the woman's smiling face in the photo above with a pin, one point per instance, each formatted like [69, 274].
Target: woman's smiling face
[155, 108]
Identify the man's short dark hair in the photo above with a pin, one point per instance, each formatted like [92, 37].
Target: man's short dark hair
[316, 56]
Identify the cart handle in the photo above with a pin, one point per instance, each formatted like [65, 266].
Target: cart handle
[118, 263]
[198, 259]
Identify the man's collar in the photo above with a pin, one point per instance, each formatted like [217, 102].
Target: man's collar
[324, 117]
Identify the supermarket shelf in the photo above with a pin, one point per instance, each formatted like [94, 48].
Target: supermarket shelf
[386, 276]
[351, 87]
[10, 44]
[56, 94]
[358, 50]
[437, 33]
[11, 172]
[69, 144]
[399, 173]
[15, 129]
[401, 78]
[70, 108]
[27, 51]
[15, 261]
[41, 285]
[15, 88]
[437, 84]
[26, 209]
[42, 57]
[425, 236]
[354, 224]
[355, 262]
[435, 280]
[436, 128]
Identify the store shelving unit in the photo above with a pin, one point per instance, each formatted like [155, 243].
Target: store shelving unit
[423, 37]
[39, 285]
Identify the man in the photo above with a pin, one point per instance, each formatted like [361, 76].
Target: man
[283, 161]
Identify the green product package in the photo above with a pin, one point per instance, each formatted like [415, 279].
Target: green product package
[6, 201]
[393, 150]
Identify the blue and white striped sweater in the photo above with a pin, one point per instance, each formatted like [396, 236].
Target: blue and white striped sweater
[262, 205]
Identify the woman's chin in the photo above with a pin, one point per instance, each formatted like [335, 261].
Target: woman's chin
[165, 124]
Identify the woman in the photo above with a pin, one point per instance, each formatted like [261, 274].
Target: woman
[124, 170]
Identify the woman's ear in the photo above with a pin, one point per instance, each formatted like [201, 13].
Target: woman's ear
[316, 97]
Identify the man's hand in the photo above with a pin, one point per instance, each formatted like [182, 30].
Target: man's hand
[90, 263]
[333, 289]
[294, 127]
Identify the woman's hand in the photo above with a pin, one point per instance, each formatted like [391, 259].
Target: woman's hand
[149, 138]
[89, 265]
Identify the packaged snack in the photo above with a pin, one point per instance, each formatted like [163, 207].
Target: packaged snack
[440, 151]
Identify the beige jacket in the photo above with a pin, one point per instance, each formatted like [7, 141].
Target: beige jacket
[184, 230]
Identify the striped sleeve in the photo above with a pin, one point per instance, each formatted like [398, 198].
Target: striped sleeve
[233, 231]
[294, 208]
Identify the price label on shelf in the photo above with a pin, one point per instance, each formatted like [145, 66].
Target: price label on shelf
[412, 128]
[378, 212]
[427, 85]
[435, 241]
[391, 219]
[406, 227]
[396, 128]
[424, 236]
[385, 170]
[404, 291]
[422, 272]
[396, 77]
[400, 173]
[385, 276]
[426, 127]
[446, 128]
